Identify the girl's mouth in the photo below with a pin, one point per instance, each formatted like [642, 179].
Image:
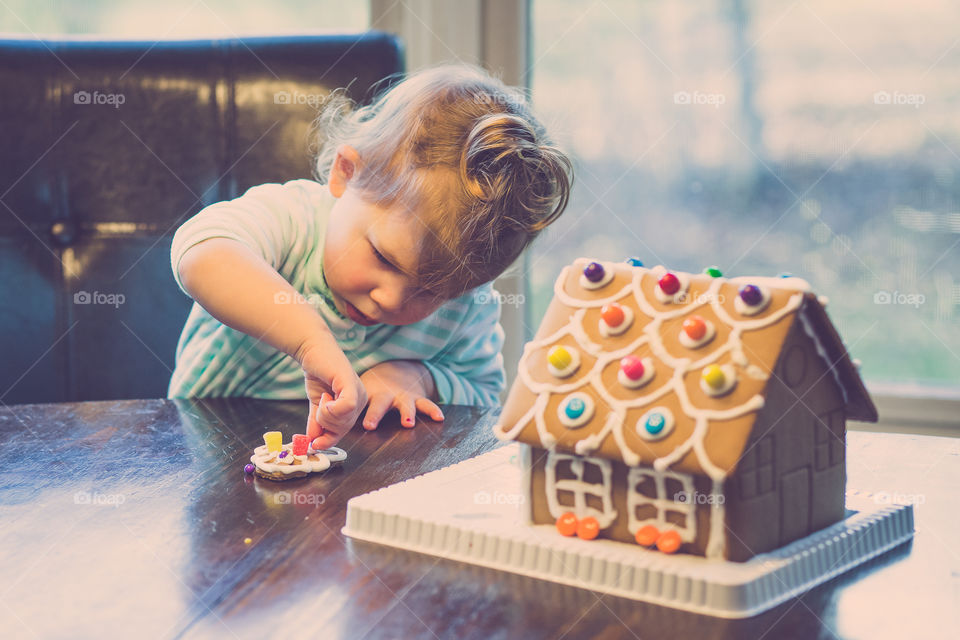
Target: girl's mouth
[354, 314]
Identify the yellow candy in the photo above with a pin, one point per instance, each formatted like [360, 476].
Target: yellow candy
[714, 377]
[247, 540]
[273, 440]
[559, 358]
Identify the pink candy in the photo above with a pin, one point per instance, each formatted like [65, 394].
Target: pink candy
[300, 444]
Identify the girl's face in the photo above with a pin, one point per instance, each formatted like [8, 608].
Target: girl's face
[370, 253]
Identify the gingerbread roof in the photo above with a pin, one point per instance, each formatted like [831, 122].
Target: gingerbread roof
[699, 353]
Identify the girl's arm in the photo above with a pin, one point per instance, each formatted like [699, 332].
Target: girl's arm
[240, 289]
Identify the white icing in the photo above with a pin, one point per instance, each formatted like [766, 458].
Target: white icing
[604, 281]
[568, 370]
[662, 503]
[708, 335]
[606, 330]
[730, 381]
[647, 376]
[579, 488]
[822, 352]
[268, 462]
[751, 310]
[668, 424]
[584, 418]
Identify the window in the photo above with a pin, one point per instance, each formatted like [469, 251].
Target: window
[828, 443]
[756, 468]
[664, 499]
[763, 137]
[581, 485]
[140, 19]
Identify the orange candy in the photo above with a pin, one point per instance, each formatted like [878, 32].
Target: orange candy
[588, 528]
[567, 524]
[695, 327]
[647, 535]
[669, 542]
[613, 314]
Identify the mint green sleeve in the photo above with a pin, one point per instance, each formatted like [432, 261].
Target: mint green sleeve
[274, 220]
[469, 370]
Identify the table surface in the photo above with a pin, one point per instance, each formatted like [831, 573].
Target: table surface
[131, 517]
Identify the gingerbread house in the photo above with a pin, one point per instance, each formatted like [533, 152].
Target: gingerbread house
[684, 412]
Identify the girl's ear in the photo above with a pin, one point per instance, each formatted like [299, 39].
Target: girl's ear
[342, 170]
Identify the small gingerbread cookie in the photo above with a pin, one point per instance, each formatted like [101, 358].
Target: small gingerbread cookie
[276, 461]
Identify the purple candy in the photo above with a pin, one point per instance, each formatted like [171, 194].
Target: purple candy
[249, 468]
[751, 295]
[594, 272]
[283, 454]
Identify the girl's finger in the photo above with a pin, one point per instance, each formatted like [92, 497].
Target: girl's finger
[408, 411]
[427, 407]
[324, 399]
[379, 405]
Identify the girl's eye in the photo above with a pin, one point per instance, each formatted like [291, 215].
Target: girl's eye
[381, 258]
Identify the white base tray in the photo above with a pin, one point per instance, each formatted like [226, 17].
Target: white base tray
[471, 511]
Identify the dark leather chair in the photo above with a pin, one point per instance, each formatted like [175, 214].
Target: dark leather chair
[105, 149]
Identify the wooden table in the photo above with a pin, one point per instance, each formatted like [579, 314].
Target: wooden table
[130, 517]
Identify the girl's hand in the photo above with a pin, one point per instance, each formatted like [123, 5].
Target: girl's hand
[336, 395]
[404, 385]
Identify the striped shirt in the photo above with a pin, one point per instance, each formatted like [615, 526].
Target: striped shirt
[459, 343]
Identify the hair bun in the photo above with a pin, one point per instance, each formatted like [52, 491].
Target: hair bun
[504, 159]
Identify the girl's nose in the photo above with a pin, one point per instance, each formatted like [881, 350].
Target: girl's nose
[389, 299]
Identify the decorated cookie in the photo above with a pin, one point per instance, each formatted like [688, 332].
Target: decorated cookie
[276, 461]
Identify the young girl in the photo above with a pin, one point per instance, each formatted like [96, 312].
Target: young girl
[372, 284]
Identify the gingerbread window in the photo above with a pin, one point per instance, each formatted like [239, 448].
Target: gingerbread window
[580, 484]
[665, 499]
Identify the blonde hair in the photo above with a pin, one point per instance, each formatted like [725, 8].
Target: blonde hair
[466, 152]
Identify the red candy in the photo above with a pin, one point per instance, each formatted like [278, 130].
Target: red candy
[695, 327]
[300, 444]
[613, 314]
[567, 524]
[632, 367]
[647, 535]
[588, 528]
[669, 542]
[669, 283]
